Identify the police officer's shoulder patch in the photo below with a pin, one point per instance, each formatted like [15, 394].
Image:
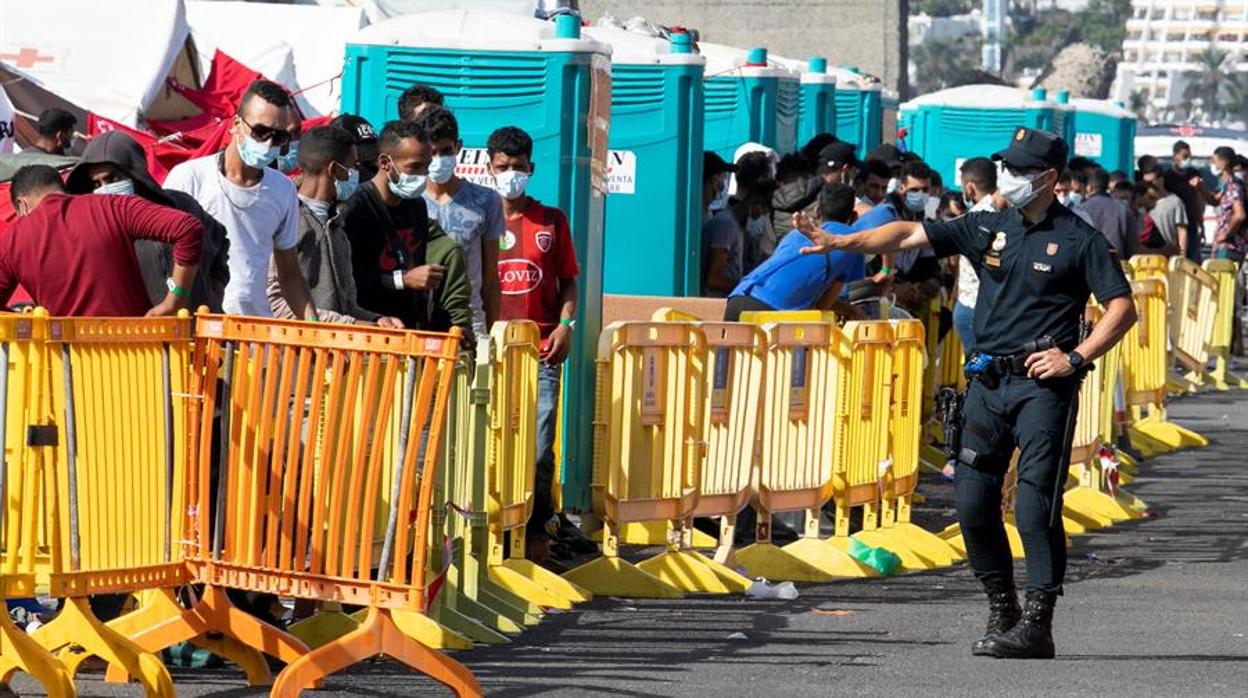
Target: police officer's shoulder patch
[1052, 249]
[1020, 134]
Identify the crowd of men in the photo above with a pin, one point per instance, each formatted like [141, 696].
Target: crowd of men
[752, 259]
[336, 224]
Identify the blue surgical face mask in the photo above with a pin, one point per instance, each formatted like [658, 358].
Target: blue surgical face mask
[442, 168]
[122, 187]
[255, 154]
[511, 184]
[1074, 199]
[344, 188]
[290, 161]
[916, 201]
[406, 186]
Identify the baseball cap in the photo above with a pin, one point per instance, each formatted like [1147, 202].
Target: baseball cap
[713, 164]
[361, 132]
[838, 154]
[1034, 148]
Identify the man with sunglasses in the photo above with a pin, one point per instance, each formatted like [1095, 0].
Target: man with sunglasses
[1038, 263]
[257, 205]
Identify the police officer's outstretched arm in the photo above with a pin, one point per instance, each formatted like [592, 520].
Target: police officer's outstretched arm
[892, 237]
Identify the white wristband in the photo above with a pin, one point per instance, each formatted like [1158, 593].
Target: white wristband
[398, 280]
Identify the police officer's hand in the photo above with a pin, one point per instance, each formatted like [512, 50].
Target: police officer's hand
[1051, 363]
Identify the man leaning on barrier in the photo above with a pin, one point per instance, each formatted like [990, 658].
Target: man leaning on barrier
[1038, 264]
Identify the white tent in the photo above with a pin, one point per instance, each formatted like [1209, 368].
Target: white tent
[109, 57]
[299, 46]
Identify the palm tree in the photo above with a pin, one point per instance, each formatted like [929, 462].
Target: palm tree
[1209, 85]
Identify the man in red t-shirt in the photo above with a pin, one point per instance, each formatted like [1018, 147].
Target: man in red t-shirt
[75, 254]
[537, 273]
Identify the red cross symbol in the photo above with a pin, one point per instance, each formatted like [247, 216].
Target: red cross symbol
[26, 57]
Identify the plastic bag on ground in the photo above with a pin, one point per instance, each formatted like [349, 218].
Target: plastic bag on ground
[760, 589]
[882, 561]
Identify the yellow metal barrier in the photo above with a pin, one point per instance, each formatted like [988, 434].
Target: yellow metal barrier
[1149, 266]
[730, 417]
[807, 381]
[647, 444]
[1224, 272]
[511, 468]
[899, 472]
[1144, 374]
[1091, 501]
[26, 421]
[1193, 312]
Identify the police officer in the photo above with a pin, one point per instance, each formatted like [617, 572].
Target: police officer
[1037, 263]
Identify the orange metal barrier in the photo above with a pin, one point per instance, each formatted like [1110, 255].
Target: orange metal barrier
[295, 509]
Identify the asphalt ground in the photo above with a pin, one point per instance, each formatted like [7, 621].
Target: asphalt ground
[1157, 607]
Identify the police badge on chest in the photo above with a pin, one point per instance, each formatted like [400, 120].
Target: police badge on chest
[992, 258]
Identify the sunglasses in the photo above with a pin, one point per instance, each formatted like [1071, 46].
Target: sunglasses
[268, 134]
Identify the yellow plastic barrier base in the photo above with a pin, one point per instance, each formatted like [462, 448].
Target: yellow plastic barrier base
[924, 543]
[1182, 385]
[684, 570]
[18, 652]
[911, 559]
[771, 562]
[514, 607]
[323, 627]
[611, 576]
[953, 537]
[468, 626]
[655, 533]
[1171, 435]
[536, 573]
[76, 626]
[533, 591]
[1092, 502]
[426, 631]
[1222, 381]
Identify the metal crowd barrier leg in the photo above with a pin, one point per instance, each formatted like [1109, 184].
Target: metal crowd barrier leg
[808, 384]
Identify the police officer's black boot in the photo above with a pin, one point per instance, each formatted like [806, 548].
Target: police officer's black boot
[1003, 614]
[1032, 637]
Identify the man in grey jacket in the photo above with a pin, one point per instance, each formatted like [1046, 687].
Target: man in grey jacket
[326, 156]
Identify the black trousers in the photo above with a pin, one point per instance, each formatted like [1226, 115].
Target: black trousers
[1030, 415]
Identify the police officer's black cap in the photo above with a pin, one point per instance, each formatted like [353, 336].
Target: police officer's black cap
[713, 164]
[1031, 148]
[838, 154]
[888, 154]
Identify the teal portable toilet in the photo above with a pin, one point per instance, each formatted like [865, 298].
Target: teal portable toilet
[860, 109]
[1105, 132]
[653, 241]
[1063, 113]
[950, 126]
[495, 70]
[816, 106]
[749, 99]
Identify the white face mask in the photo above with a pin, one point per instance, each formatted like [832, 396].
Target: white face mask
[1073, 199]
[1217, 171]
[442, 168]
[916, 201]
[1017, 190]
[122, 187]
[511, 184]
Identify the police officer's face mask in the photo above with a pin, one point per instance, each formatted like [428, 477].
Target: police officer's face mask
[1018, 190]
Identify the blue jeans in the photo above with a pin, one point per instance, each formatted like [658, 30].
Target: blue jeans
[964, 325]
[548, 378]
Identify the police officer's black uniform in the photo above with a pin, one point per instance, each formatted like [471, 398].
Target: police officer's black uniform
[1035, 281]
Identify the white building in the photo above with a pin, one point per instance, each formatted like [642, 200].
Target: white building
[1165, 40]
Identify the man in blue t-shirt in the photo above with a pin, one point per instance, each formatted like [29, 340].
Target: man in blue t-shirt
[789, 280]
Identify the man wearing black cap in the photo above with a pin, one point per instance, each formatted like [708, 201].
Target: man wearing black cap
[1038, 264]
[723, 243]
[365, 139]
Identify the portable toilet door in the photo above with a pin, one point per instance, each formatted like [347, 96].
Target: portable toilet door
[653, 243]
[947, 127]
[859, 109]
[495, 70]
[742, 89]
[1104, 132]
[816, 106]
